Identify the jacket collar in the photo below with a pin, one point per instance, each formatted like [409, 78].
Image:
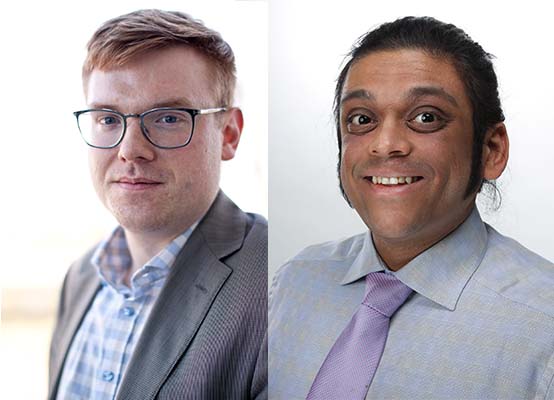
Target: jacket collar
[190, 290]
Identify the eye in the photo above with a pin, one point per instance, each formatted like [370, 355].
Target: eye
[360, 119]
[168, 119]
[108, 120]
[425, 118]
[427, 122]
[360, 123]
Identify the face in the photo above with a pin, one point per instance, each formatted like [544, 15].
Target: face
[146, 188]
[406, 130]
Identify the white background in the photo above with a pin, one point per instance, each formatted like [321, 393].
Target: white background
[308, 41]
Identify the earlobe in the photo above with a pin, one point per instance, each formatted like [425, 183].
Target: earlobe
[231, 133]
[496, 148]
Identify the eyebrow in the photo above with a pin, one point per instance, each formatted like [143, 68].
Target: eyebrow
[422, 91]
[413, 94]
[177, 102]
[358, 94]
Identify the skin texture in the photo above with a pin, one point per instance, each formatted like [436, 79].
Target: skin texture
[155, 194]
[406, 113]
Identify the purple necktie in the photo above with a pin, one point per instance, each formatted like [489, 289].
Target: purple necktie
[349, 367]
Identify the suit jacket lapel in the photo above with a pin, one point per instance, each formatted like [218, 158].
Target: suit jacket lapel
[81, 295]
[190, 289]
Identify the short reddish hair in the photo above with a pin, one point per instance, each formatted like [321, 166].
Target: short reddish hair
[123, 38]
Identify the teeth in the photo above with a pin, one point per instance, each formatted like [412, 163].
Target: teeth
[393, 180]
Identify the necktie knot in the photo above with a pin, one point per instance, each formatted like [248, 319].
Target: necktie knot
[385, 293]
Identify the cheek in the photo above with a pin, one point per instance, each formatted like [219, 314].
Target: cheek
[452, 164]
[210, 139]
[344, 161]
[348, 164]
[351, 154]
[459, 158]
[207, 151]
[94, 164]
[98, 161]
[198, 163]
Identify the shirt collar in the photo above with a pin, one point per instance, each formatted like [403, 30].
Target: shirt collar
[112, 261]
[112, 258]
[441, 272]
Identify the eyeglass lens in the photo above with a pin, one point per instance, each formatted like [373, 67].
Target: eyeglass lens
[165, 128]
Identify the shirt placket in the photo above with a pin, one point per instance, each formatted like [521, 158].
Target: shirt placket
[118, 341]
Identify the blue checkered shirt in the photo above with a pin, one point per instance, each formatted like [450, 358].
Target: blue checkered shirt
[104, 343]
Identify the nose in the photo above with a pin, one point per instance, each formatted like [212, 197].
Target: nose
[134, 146]
[390, 140]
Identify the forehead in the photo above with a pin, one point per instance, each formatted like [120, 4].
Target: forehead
[152, 77]
[392, 75]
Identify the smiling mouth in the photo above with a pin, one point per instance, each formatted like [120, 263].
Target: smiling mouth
[393, 180]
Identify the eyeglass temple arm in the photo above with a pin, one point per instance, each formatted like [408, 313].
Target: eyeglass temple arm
[212, 110]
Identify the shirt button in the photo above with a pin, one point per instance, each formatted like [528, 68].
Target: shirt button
[128, 311]
[108, 376]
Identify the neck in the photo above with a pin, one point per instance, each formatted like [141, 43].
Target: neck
[145, 245]
[396, 253]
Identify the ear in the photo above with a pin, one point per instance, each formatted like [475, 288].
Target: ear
[231, 130]
[496, 148]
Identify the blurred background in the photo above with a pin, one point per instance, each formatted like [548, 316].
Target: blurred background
[50, 212]
[308, 40]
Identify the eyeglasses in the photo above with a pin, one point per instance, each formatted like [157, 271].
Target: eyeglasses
[164, 127]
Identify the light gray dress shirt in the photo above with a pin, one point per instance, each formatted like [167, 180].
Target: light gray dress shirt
[479, 325]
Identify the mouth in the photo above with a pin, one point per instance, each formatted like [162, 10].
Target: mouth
[393, 180]
[138, 183]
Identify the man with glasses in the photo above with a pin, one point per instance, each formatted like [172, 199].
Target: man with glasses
[173, 304]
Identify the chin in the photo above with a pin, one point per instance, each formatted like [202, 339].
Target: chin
[394, 228]
[395, 233]
[140, 217]
[136, 223]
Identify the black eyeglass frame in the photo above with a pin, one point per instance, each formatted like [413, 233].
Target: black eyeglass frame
[192, 111]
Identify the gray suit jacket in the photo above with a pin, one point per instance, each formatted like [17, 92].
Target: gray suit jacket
[206, 337]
